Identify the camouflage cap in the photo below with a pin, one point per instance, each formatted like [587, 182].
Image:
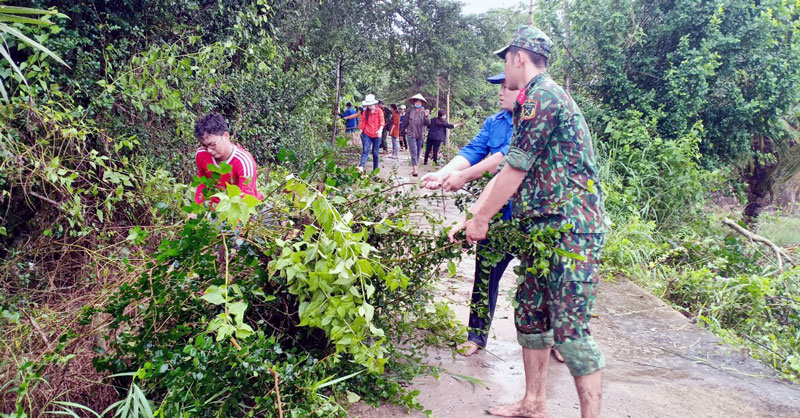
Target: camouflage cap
[529, 38]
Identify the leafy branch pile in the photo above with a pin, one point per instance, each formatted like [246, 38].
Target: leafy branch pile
[303, 292]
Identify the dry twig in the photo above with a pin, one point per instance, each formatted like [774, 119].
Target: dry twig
[277, 394]
[780, 254]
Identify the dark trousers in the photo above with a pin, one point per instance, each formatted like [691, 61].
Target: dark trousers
[435, 146]
[484, 295]
[403, 143]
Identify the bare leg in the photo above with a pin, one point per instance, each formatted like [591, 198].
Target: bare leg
[590, 389]
[534, 403]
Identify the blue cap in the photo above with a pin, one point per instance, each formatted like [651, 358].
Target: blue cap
[497, 78]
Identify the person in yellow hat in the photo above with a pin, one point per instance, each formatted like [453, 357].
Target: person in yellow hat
[414, 125]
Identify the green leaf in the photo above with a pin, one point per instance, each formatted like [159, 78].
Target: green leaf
[142, 400]
[233, 190]
[368, 311]
[213, 295]
[451, 267]
[250, 201]
[376, 331]
[365, 266]
[31, 42]
[370, 290]
[76, 405]
[17, 10]
[338, 380]
[237, 309]
[7, 56]
[381, 229]
[352, 397]
[24, 20]
[243, 331]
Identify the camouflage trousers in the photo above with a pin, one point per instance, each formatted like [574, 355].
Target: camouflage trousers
[554, 309]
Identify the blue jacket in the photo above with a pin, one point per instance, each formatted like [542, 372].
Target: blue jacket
[351, 123]
[494, 137]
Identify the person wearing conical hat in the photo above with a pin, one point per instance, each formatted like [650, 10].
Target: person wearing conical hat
[372, 124]
[551, 173]
[415, 123]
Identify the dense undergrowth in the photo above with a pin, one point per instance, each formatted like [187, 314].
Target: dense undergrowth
[668, 236]
[110, 295]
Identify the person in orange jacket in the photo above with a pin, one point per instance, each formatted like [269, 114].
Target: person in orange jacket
[372, 124]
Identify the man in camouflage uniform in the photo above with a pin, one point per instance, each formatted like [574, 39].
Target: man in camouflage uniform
[551, 173]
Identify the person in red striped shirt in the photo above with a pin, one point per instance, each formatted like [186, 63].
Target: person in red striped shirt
[216, 147]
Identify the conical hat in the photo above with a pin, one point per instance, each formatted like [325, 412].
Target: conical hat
[418, 97]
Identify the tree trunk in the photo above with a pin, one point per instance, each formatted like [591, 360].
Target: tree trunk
[438, 83]
[530, 14]
[567, 27]
[447, 112]
[759, 181]
[335, 112]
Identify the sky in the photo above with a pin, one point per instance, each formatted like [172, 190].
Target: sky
[481, 6]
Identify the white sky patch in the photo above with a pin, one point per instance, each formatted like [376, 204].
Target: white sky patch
[482, 6]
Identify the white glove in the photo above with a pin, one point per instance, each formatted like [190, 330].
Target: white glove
[380, 132]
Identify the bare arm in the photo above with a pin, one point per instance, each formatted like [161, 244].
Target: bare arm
[495, 196]
[491, 200]
[457, 180]
[435, 180]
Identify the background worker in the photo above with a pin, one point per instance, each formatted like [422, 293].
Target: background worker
[351, 124]
[371, 126]
[416, 122]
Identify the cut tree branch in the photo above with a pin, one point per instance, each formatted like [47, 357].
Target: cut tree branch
[780, 254]
[275, 375]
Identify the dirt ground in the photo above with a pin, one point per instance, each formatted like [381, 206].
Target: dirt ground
[659, 363]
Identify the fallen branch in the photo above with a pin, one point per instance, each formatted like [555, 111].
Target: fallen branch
[39, 330]
[277, 394]
[780, 254]
[46, 199]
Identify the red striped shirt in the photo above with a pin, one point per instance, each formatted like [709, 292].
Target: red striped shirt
[244, 172]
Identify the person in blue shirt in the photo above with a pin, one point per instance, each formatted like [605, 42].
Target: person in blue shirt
[352, 123]
[484, 153]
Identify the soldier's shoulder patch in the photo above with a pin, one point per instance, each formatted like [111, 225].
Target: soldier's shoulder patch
[521, 97]
[529, 109]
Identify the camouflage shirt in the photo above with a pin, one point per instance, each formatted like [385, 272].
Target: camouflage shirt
[552, 143]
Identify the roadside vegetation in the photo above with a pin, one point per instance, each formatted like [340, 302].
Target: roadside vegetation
[113, 302]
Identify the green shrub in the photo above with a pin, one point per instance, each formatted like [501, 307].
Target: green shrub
[314, 290]
[650, 178]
